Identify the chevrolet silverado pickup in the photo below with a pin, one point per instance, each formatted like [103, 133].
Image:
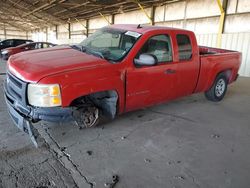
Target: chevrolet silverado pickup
[117, 69]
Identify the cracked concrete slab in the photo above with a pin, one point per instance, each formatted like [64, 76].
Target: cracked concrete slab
[189, 143]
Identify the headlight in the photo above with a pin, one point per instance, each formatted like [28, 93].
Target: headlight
[5, 52]
[44, 95]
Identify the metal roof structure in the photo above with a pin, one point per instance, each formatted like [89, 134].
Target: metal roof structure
[34, 14]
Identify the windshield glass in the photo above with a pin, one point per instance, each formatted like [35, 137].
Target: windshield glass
[110, 44]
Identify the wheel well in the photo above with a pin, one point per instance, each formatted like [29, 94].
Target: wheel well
[106, 101]
[227, 73]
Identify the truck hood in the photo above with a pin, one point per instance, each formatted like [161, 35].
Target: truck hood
[34, 65]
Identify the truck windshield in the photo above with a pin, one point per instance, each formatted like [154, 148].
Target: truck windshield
[110, 44]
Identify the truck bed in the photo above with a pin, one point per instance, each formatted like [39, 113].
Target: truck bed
[212, 62]
[206, 51]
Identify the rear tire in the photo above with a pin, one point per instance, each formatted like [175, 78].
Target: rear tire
[218, 90]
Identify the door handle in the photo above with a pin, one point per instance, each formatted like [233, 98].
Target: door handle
[170, 71]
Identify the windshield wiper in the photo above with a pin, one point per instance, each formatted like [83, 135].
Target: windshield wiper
[91, 51]
[76, 47]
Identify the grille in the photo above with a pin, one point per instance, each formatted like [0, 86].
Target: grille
[16, 88]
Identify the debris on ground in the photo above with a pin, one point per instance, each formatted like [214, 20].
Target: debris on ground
[179, 177]
[115, 179]
[89, 152]
[147, 160]
[215, 136]
[174, 162]
[63, 148]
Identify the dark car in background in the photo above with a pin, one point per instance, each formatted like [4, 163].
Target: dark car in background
[13, 42]
[7, 52]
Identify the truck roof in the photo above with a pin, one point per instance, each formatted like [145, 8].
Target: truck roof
[142, 28]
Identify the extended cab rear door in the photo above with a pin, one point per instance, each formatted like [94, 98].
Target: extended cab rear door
[188, 66]
[148, 85]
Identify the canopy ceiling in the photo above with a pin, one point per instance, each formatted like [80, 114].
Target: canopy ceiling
[33, 14]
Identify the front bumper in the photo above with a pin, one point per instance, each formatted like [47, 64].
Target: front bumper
[54, 114]
[21, 112]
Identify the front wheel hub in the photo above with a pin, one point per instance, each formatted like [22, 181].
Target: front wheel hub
[88, 117]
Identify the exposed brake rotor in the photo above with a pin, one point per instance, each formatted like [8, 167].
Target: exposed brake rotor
[87, 117]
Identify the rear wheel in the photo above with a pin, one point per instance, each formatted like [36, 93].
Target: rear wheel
[218, 90]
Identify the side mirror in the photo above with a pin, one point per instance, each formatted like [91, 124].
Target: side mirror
[145, 60]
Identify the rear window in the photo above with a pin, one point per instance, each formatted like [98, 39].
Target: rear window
[184, 47]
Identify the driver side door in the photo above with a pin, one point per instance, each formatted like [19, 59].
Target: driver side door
[149, 85]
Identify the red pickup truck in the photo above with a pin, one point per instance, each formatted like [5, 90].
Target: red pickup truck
[117, 69]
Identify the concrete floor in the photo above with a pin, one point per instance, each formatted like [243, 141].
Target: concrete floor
[187, 143]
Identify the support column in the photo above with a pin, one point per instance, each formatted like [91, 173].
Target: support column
[144, 11]
[56, 32]
[87, 27]
[112, 19]
[69, 30]
[104, 17]
[4, 32]
[185, 16]
[153, 15]
[223, 8]
[47, 34]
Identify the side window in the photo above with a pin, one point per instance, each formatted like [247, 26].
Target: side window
[184, 47]
[127, 42]
[19, 42]
[30, 47]
[38, 46]
[45, 45]
[8, 42]
[27, 42]
[158, 46]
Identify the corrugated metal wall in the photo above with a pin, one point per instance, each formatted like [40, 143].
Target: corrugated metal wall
[231, 41]
[11, 33]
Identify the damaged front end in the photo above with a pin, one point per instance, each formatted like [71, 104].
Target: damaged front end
[22, 114]
[85, 111]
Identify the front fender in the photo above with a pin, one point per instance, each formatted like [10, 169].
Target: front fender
[80, 83]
